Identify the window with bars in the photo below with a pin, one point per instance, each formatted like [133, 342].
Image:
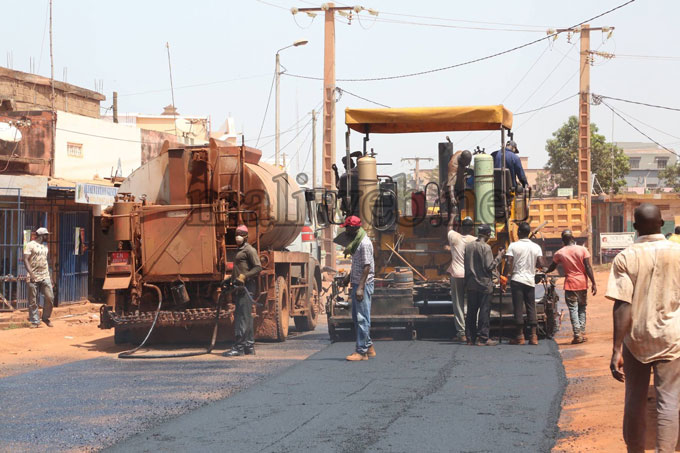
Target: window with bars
[634, 162]
[661, 162]
[74, 149]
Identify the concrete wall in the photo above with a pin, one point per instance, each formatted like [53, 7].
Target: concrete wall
[103, 143]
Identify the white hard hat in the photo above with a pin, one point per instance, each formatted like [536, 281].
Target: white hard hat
[41, 231]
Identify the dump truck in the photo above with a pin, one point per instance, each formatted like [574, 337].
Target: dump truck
[174, 223]
[412, 289]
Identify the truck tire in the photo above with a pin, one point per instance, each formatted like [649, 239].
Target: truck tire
[282, 309]
[308, 322]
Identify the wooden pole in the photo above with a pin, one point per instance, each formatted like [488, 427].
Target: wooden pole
[314, 183]
[52, 99]
[115, 106]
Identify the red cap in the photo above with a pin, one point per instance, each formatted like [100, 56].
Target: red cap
[242, 229]
[352, 221]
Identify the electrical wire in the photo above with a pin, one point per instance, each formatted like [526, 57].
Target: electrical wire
[463, 21]
[195, 85]
[342, 90]
[546, 106]
[291, 140]
[272, 4]
[298, 150]
[465, 63]
[459, 27]
[601, 96]
[264, 117]
[637, 129]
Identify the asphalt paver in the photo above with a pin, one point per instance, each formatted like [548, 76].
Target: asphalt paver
[415, 396]
[90, 404]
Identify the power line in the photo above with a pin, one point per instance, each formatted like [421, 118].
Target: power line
[460, 27]
[465, 63]
[634, 127]
[464, 21]
[342, 90]
[269, 98]
[601, 96]
[546, 106]
[196, 85]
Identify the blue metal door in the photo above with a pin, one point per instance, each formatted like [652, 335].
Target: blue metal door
[74, 238]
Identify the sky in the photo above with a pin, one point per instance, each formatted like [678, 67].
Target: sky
[223, 55]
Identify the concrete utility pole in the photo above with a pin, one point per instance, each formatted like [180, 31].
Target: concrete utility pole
[328, 158]
[115, 106]
[313, 149]
[585, 188]
[417, 168]
[52, 99]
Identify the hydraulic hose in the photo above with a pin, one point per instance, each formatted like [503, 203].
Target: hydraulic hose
[131, 353]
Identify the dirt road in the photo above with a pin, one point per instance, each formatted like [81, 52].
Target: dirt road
[592, 408]
[75, 336]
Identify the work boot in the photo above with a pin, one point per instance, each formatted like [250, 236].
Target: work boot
[533, 338]
[371, 352]
[356, 357]
[234, 352]
[34, 326]
[488, 342]
[249, 350]
[48, 323]
[517, 340]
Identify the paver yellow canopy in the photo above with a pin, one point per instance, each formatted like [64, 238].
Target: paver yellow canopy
[428, 119]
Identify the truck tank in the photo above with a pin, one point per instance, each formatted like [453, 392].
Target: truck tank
[484, 202]
[172, 178]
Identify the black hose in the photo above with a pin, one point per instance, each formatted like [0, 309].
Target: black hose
[130, 354]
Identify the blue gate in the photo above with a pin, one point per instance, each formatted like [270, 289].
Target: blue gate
[74, 238]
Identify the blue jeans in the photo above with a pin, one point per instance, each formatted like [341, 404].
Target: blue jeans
[361, 315]
[577, 302]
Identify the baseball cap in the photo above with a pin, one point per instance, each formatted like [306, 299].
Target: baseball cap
[513, 145]
[484, 229]
[352, 221]
[41, 231]
[467, 221]
[242, 230]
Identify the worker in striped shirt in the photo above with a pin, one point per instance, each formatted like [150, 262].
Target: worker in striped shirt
[645, 284]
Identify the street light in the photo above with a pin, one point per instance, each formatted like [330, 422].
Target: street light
[299, 42]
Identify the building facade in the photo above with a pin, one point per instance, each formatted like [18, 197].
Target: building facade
[646, 161]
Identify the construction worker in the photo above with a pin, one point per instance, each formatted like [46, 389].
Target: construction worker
[523, 257]
[575, 260]
[480, 264]
[35, 261]
[244, 277]
[644, 284]
[361, 279]
[456, 244]
[512, 163]
[676, 236]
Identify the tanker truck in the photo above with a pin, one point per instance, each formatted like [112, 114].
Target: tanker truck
[174, 222]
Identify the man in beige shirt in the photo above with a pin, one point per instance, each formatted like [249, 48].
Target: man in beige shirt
[645, 285]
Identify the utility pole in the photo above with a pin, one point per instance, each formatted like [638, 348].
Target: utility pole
[115, 106]
[172, 89]
[313, 149]
[417, 168]
[584, 170]
[283, 157]
[52, 100]
[585, 188]
[328, 158]
[277, 112]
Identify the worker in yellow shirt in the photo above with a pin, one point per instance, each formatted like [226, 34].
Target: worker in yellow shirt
[675, 237]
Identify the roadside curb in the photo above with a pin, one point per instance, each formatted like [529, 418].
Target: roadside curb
[18, 318]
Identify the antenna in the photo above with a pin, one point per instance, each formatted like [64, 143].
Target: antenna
[172, 89]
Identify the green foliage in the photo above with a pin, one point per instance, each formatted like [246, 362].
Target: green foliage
[671, 176]
[605, 158]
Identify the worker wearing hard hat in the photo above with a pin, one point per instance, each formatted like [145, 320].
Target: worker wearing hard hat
[247, 267]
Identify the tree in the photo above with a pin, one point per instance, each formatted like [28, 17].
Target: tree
[671, 176]
[605, 158]
[545, 184]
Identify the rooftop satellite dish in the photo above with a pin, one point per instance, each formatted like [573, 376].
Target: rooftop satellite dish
[9, 133]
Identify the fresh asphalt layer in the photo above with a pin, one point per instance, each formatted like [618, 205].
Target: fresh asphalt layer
[416, 396]
[90, 404]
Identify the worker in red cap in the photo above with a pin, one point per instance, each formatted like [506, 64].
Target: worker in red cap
[246, 268]
[361, 280]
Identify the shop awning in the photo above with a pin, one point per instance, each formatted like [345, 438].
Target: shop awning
[429, 119]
